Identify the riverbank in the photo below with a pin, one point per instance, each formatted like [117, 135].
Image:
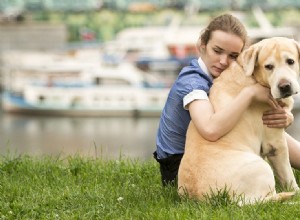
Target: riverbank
[88, 188]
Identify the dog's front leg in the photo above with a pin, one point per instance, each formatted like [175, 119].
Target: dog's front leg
[276, 149]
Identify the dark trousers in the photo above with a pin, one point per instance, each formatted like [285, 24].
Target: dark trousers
[169, 168]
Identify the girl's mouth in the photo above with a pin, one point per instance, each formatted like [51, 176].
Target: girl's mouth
[219, 70]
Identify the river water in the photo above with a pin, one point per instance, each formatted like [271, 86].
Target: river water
[108, 138]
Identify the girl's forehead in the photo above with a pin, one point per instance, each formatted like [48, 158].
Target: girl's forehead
[226, 41]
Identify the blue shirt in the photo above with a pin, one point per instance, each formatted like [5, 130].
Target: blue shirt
[175, 118]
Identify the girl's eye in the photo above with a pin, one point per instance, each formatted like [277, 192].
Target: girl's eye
[269, 67]
[290, 61]
[217, 51]
[233, 57]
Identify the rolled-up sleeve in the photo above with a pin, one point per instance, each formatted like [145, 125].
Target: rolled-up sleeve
[194, 95]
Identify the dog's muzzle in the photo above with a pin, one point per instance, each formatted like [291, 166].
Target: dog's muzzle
[285, 89]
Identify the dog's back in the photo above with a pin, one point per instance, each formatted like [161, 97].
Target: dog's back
[210, 156]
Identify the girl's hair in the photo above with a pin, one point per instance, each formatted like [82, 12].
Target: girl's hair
[226, 23]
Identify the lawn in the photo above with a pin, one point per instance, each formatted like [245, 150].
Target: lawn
[87, 188]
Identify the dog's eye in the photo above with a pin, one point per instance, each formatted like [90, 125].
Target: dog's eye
[269, 66]
[290, 61]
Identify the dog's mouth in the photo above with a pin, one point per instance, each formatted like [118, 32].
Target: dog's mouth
[286, 95]
[285, 89]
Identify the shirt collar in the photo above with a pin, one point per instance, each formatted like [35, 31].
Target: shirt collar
[204, 68]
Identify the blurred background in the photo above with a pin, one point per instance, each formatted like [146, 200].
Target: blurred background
[91, 77]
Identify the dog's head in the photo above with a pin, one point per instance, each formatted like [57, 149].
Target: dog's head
[274, 63]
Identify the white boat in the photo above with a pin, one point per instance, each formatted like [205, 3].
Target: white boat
[121, 90]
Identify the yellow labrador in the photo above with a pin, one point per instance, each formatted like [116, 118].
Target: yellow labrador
[235, 162]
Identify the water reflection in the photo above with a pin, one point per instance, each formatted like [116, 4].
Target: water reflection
[102, 137]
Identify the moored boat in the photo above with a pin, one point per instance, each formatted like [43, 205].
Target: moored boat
[121, 90]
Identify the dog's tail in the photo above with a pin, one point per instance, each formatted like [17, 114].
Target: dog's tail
[282, 196]
[276, 197]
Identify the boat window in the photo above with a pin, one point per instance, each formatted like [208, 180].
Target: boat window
[154, 99]
[76, 101]
[41, 98]
[110, 81]
[97, 80]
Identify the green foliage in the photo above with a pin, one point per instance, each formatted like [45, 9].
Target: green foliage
[87, 188]
[106, 23]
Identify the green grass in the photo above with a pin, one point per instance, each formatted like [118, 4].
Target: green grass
[87, 188]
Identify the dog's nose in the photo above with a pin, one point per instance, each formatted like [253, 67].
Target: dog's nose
[285, 89]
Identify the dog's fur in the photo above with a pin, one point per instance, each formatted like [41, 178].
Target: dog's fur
[236, 162]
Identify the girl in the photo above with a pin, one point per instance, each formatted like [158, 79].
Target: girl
[220, 44]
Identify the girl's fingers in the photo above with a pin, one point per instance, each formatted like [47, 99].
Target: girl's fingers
[274, 116]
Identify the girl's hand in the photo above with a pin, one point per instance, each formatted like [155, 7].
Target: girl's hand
[278, 118]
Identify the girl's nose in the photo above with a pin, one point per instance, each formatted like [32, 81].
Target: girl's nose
[224, 59]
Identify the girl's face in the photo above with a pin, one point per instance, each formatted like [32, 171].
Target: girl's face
[220, 51]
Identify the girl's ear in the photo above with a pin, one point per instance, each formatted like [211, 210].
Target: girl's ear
[202, 48]
[248, 58]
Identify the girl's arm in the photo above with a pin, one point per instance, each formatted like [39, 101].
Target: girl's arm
[212, 125]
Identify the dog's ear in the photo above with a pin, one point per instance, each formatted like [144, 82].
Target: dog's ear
[247, 59]
[298, 47]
